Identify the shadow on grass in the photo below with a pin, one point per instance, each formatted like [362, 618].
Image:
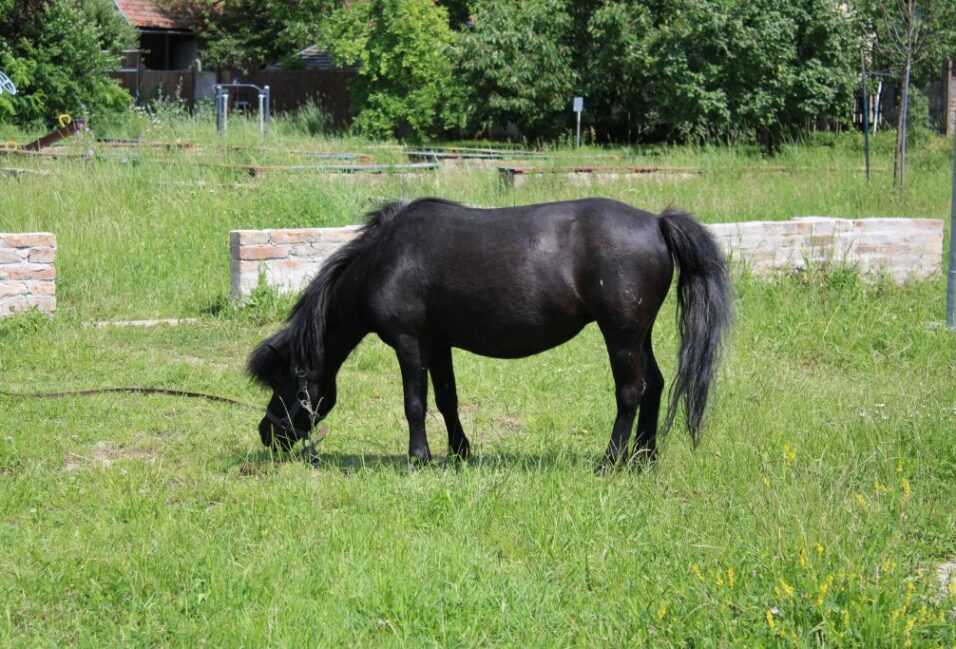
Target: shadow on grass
[262, 461]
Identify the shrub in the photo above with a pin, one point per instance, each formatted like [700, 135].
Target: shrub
[402, 47]
[58, 53]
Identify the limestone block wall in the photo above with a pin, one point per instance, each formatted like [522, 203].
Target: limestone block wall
[902, 248]
[27, 272]
[285, 259]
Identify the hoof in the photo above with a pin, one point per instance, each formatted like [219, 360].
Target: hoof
[311, 456]
[461, 453]
[419, 458]
[643, 461]
[605, 469]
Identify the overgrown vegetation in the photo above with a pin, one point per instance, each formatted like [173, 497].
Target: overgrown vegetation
[405, 71]
[815, 512]
[58, 52]
[702, 71]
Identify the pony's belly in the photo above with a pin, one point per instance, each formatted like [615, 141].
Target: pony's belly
[514, 340]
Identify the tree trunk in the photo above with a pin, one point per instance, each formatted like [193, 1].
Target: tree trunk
[899, 155]
[905, 121]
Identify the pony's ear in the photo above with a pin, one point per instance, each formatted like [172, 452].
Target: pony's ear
[268, 358]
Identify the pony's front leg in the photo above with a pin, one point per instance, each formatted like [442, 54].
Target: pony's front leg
[415, 384]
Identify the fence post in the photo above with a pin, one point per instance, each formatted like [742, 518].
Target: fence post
[951, 283]
[219, 108]
[261, 114]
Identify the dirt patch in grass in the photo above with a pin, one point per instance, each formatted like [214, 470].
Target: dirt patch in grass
[487, 426]
[105, 454]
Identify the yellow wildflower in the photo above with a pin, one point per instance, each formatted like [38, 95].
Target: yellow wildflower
[661, 612]
[860, 500]
[819, 550]
[696, 570]
[824, 588]
[879, 487]
[899, 466]
[905, 484]
[766, 482]
[772, 623]
[731, 580]
[803, 558]
[846, 618]
[789, 453]
[908, 631]
[787, 588]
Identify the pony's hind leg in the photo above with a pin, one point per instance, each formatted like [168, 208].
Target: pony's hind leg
[625, 352]
[415, 385]
[645, 444]
[446, 398]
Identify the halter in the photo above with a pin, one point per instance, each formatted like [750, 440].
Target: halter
[302, 402]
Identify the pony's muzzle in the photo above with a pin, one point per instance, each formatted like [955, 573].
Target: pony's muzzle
[265, 432]
[279, 437]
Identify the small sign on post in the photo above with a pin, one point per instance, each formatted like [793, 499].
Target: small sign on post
[578, 109]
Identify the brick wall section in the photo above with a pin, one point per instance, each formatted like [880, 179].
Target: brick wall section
[27, 272]
[902, 248]
[287, 259]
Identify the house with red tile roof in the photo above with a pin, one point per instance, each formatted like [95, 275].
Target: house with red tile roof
[166, 41]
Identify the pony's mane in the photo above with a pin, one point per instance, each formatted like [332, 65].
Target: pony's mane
[307, 322]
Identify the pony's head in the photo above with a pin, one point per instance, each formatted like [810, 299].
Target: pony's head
[300, 398]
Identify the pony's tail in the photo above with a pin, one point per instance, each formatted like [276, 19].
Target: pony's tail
[704, 313]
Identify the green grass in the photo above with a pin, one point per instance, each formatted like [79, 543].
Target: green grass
[823, 489]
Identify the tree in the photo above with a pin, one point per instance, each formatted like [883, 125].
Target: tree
[247, 34]
[713, 69]
[405, 70]
[909, 37]
[58, 53]
[618, 56]
[515, 65]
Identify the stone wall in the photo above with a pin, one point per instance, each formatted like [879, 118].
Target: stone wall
[902, 248]
[27, 272]
[285, 259]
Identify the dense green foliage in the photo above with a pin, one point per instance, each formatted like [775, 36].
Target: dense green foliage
[57, 52]
[701, 69]
[405, 73]
[246, 34]
[695, 70]
[814, 513]
[705, 69]
[515, 67]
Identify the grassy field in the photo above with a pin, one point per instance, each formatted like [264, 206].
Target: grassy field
[814, 513]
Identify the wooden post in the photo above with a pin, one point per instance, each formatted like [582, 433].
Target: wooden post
[949, 98]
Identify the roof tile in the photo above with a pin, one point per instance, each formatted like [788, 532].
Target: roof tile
[143, 14]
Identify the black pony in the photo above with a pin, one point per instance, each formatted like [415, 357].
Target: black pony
[431, 275]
